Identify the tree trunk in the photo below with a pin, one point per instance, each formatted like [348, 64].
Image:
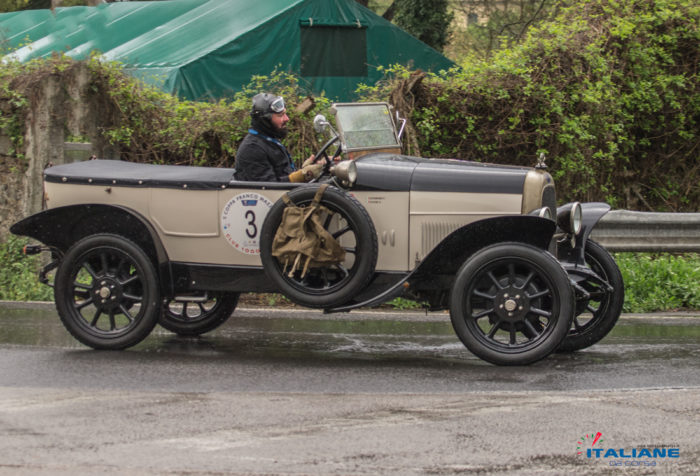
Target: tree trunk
[389, 13]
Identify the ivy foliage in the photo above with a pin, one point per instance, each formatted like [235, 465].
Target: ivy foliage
[609, 91]
[152, 126]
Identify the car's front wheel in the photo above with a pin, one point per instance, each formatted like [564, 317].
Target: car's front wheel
[511, 304]
[195, 315]
[597, 314]
[106, 292]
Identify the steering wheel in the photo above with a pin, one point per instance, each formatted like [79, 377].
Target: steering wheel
[328, 160]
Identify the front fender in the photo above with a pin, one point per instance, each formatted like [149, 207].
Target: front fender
[457, 247]
[436, 272]
[592, 213]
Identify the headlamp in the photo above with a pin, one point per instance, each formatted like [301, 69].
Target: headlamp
[346, 172]
[570, 218]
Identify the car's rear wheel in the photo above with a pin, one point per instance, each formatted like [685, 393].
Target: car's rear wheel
[195, 315]
[511, 304]
[106, 292]
[350, 224]
[596, 315]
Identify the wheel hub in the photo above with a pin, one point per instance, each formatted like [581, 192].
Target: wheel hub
[107, 293]
[512, 304]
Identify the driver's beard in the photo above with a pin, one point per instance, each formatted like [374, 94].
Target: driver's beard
[281, 133]
[263, 124]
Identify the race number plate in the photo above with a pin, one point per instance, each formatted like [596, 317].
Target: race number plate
[242, 219]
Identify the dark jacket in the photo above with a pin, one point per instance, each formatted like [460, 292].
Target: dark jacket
[262, 160]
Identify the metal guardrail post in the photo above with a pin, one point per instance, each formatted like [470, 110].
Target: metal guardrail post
[623, 230]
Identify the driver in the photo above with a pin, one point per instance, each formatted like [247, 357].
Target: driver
[261, 156]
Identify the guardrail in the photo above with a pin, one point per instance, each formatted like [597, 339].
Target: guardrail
[623, 230]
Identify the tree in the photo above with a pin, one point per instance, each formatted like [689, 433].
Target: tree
[427, 20]
[15, 5]
[490, 25]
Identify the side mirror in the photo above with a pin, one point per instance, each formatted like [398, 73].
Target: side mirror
[320, 123]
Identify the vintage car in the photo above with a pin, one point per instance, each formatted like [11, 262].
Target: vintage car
[135, 244]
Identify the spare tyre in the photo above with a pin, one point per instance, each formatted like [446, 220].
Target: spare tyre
[347, 221]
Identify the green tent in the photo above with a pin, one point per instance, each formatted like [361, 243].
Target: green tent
[201, 49]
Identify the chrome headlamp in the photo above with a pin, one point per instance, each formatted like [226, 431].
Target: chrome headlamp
[570, 218]
[346, 172]
[544, 212]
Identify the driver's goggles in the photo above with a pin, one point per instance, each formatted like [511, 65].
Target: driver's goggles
[277, 105]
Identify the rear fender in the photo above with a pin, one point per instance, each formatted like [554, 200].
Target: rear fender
[61, 227]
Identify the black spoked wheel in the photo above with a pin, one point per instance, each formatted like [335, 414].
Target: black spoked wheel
[106, 292]
[596, 315]
[511, 304]
[350, 224]
[195, 315]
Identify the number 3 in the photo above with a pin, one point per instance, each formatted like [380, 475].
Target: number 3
[252, 230]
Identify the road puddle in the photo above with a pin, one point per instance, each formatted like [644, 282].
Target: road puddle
[355, 336]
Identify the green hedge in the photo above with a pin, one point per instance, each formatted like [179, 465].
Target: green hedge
[609, 91]
[18, 274]
[660, 282]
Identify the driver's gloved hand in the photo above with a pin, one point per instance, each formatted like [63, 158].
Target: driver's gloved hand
[312, 171]
[306, 173]
[309, 161]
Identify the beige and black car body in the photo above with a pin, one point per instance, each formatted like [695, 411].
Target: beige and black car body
[134, 244]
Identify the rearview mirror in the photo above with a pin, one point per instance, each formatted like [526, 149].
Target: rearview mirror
[320, 123]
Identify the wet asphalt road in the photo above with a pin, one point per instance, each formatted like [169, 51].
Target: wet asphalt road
[298, 392]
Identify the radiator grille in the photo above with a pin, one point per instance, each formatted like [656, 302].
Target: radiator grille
[434, 233]
[549, 199]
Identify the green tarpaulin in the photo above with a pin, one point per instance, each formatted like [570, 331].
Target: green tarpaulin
[201, 49]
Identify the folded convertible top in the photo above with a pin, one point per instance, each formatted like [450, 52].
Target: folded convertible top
[117, 172]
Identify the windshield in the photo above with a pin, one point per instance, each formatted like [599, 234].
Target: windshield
[366, 125]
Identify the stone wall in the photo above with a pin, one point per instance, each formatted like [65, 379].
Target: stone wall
[61, 109]
[12, 189]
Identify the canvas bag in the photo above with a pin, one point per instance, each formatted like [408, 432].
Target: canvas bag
[301, 241]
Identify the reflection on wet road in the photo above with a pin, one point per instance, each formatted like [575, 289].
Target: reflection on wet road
[640, 352]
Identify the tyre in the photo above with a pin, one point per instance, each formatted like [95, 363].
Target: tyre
[598, 314]
[511, 304]
[196, 316]
[106, 292]
[351, 225]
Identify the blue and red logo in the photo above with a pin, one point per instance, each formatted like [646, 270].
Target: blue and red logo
[590, 446]
[587, 442]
